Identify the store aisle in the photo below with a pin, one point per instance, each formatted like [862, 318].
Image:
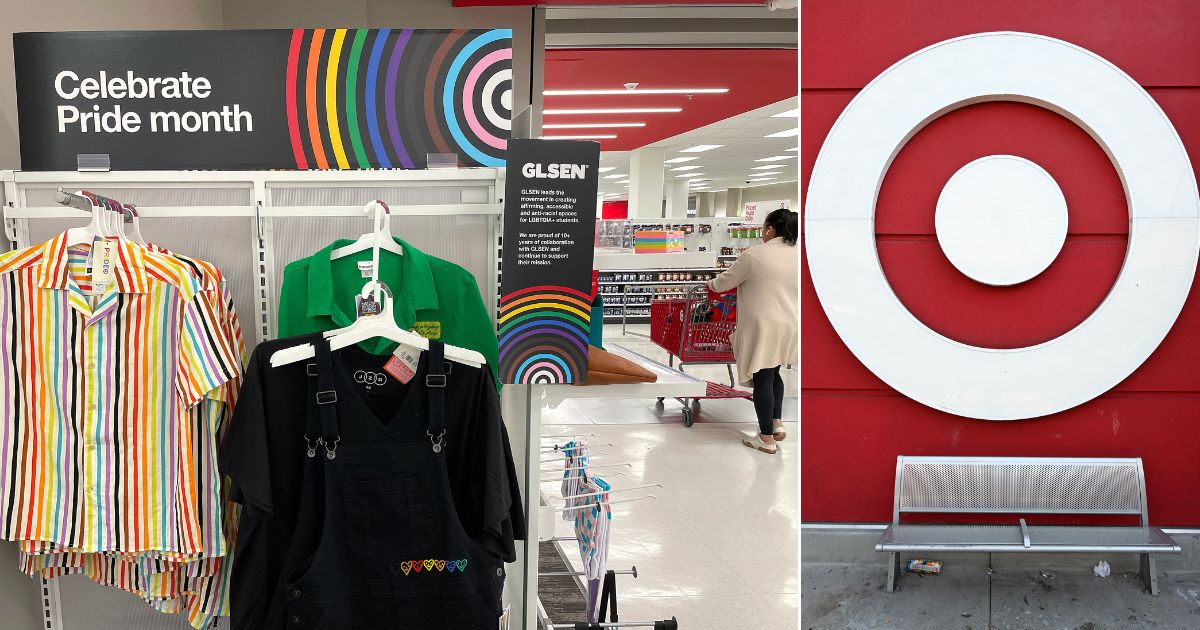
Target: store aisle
[699, 546]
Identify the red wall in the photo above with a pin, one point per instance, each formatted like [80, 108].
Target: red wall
[614, 210]
[854, 425]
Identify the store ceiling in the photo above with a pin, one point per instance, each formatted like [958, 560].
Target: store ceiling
[754, 78]
[744, 141]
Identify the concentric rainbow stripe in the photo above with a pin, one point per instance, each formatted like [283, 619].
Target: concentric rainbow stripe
[544, 335]
[387, 98]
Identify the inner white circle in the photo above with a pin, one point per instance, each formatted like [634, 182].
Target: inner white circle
[506, 99]
[1001, 220]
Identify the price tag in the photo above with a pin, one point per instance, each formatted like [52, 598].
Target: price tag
[403, 363]
[103, 258]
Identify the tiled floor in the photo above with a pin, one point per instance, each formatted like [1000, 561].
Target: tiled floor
[699, 546]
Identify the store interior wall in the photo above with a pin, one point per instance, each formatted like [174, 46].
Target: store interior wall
[18, 16]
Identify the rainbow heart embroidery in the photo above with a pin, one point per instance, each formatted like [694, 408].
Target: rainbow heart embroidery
[416, 566]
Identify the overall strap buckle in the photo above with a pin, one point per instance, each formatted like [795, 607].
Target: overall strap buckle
[327, 397]
[435, 380]
[438, 442]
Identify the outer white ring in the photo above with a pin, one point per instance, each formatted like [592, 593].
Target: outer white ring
[989, 383]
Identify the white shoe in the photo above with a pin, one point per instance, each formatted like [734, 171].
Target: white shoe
[756, 442]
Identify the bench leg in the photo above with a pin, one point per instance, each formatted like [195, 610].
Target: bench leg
[894, 572]
[1149, 572]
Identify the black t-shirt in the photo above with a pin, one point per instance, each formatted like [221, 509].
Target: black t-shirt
[263, 455]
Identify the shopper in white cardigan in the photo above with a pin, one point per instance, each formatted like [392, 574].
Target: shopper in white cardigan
[765, 337]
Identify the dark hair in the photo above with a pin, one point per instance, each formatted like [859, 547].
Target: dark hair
[784, 222]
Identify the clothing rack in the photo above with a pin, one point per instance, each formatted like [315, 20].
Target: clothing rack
[251, 224]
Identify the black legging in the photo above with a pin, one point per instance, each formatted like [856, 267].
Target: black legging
[768, 398]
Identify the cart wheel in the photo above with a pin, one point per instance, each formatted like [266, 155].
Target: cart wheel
[695, 405]
[659, 405]
[688, 420]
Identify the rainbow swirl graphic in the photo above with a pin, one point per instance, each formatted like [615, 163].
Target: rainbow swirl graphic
[386, 98]
[544, 335]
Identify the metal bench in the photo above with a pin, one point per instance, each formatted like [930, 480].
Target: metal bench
[1022, 485]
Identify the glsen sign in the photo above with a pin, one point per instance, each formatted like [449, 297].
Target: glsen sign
[299, 99]
[1002, 383]
[549, 230]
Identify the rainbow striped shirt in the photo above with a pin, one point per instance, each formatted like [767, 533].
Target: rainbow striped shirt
[96, 434]
[167, 581]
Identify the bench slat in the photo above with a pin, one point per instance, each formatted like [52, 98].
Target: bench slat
[1008, 538]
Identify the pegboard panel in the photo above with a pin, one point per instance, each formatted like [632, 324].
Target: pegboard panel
[460, 239]
[86, 604]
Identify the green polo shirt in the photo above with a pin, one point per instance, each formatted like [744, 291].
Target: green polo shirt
[436, 298]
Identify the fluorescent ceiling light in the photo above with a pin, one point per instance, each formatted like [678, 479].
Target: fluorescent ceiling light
[786, 133]
[776, 158]
[687, 168]
[624, 181]
[585, 136]
[762, 179]
[605, 169]
[791, 113]
[585, 92]
[767, 167]
[700, 148]
[793, 149]
[677, 160]
[617, 110]
[688, 175]
[591, 125]
[617, 176]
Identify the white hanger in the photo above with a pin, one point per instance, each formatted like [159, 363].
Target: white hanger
[381, 238]
[136, 228]
[91, 231]
[370, 327]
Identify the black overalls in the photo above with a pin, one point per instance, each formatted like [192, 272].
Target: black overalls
[379, 545]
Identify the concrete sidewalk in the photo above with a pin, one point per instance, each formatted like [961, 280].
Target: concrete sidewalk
[842, 586]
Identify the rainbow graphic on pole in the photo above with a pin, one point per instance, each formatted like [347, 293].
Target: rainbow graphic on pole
[387, 98]
[544, 335]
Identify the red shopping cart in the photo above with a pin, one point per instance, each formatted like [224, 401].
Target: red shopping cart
[697, 330]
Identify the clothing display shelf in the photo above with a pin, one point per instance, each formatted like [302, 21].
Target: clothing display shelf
[251, 224]
[526, 402]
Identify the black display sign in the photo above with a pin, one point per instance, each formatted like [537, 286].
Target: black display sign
[265, 99]
[549, 229]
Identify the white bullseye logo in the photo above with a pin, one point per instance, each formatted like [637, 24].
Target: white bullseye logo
[1002, 220]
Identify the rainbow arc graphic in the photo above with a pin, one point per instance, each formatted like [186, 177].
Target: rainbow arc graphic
[387, 98]
[544, 335]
